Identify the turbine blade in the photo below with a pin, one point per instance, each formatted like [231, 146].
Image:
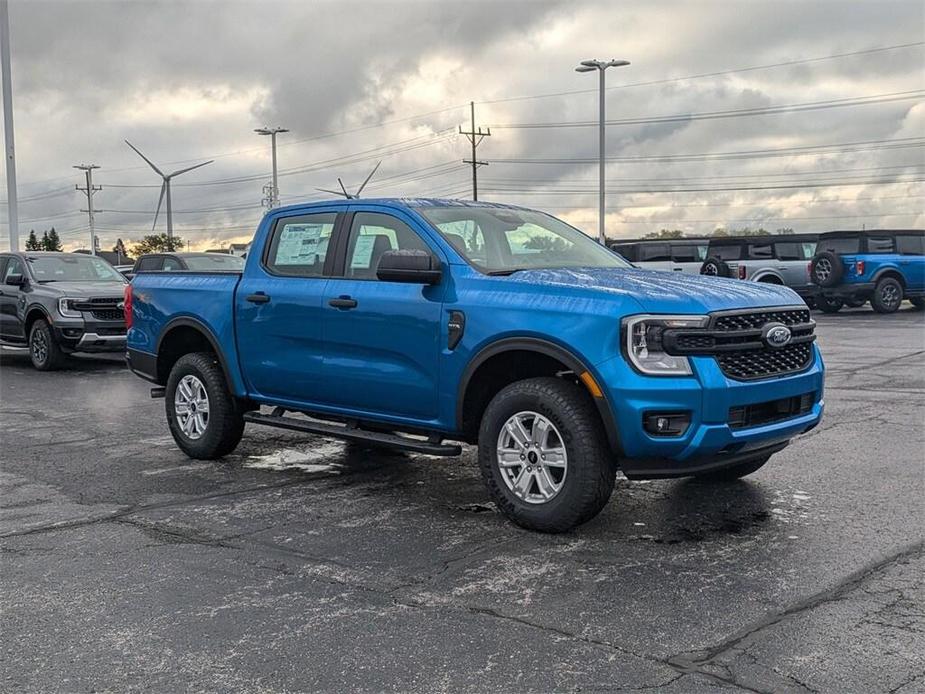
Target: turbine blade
[346, 194]
[332, 192]
[159, 201]
[150, 163]
[360, 189]
[190, 168]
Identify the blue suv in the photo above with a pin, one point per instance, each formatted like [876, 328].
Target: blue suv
[419, 324]
[884, 267]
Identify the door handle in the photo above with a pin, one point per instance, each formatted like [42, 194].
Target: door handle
[258, 298]
[678, 269]
[344, 302]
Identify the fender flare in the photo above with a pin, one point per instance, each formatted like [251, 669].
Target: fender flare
[891, 269]
[761, 274]
[35, 306]
[199, 326]
[549, 349]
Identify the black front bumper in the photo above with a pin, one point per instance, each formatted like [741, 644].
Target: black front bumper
[91, 336]
[661, 468]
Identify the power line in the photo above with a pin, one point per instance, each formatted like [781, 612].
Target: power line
[718, 73]
[734, 113]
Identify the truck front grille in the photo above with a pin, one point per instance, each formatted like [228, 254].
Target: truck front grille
[735, 340]
[108, 315]
[102, 308]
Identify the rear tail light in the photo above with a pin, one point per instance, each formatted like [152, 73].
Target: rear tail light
[859, 267]
[127, 306]
[742, 272]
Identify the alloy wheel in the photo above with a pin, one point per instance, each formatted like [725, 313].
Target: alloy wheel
[39, 346]
[191, 404]
[532, 458]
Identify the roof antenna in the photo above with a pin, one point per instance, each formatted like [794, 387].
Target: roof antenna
[343, 188]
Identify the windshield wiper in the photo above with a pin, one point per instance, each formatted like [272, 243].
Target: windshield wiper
[506, 272]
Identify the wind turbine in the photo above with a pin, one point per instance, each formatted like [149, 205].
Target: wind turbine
[343, 189]
[165, 187]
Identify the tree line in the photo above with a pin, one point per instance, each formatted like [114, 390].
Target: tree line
[719, 231]
[152, 243]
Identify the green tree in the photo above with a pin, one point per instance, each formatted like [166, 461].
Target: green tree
[44, 241]
[52, 242]
[32, 243]
[157, 243]
[665, 234]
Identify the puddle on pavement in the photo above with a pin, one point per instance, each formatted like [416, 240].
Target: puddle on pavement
[315, 459]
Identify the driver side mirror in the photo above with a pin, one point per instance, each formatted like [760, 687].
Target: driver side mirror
[412, 266]
[16, 280]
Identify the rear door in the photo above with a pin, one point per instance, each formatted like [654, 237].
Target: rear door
[687, 257]
[382, 339]
[793, 262]
[278, 309]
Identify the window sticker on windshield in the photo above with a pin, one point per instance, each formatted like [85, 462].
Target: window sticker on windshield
[363, 251]
[299, 244]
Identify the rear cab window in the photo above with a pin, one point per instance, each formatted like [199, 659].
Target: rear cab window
[908, 244]
[880, 244]
[299, 245]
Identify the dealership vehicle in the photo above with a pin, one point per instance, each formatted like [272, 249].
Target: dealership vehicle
[773, 259]
[883, 266]
[59, 303]
[413, 324]
[197, 262]
[675, 255]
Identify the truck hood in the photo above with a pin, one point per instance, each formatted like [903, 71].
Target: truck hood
[80, 290]
[667, 292]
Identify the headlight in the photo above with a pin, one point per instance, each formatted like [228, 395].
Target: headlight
[642, 343]
[65, 308]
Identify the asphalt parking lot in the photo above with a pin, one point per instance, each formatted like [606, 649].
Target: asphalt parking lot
[299, 564]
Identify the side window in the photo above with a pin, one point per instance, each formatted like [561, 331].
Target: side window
[148, 264]
[627, 250]
[652, 252]
[880, 244]
[790, 250]
[371, 235]
[728, 252]
[13, 267]
[685, 253]
[760, 251]
[299, 245]
[171, 264]
[3, 261]
[910, 245]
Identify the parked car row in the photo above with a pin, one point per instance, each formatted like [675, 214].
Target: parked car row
[828, 270]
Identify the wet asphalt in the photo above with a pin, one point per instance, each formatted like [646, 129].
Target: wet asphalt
[300, 564]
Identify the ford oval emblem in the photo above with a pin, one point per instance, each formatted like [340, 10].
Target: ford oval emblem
[777, 335]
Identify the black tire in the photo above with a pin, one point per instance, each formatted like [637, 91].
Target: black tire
[734, 472]
[887, 296]
[851, 302]
[588, 480]
[829, 304]
[826, 269]
[918, 303]
[715, 267]
[224, 425]
[44, 349]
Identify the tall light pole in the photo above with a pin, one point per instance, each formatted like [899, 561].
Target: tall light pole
[273, 132]
[12, 208]
[89, 190]
[600, 66]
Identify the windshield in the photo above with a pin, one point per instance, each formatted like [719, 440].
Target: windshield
[214, 262]
[501, 240]
[73, 268]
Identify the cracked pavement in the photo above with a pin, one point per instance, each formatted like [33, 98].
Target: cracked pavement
[301, 564]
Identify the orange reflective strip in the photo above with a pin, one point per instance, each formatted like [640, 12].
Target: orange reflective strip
[592, 387]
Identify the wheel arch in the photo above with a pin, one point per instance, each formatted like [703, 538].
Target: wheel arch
[185, 335]
[33, 313]
[769, 277]
[509, 351]
[890, 271]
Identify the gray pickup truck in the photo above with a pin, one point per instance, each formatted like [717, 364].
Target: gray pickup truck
[59, 303]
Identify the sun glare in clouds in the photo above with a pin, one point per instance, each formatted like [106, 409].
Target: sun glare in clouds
[187, 104]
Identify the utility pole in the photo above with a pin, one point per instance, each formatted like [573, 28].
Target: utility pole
[12, 206]
[273, 197]
[475, 137]
[89, 190]
[600, 66]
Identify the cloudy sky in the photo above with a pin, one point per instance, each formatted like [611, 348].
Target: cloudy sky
[356, 82]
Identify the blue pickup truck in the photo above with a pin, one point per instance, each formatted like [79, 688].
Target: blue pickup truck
[420, 324]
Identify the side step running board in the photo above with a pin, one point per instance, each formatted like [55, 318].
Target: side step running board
[431, 446]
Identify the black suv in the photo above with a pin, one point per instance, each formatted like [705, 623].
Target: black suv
[58, 303]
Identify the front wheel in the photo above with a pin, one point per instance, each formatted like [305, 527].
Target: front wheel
[828, 304]
[544, 456]
[887, 296]
[734, 472]
[44, 349]
[203, 416]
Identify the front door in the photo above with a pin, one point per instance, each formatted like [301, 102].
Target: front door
[381, 338]
[278, 310]
[11, 323]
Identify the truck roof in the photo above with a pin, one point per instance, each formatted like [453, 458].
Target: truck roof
[401, 202]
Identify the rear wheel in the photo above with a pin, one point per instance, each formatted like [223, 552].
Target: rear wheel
[887, 296]
[829, 304]
[44, 350]
[734, 472]
[544, 456]
[203, 416]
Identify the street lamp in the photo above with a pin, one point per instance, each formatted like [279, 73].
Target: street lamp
[272, 132]
[600, 66]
